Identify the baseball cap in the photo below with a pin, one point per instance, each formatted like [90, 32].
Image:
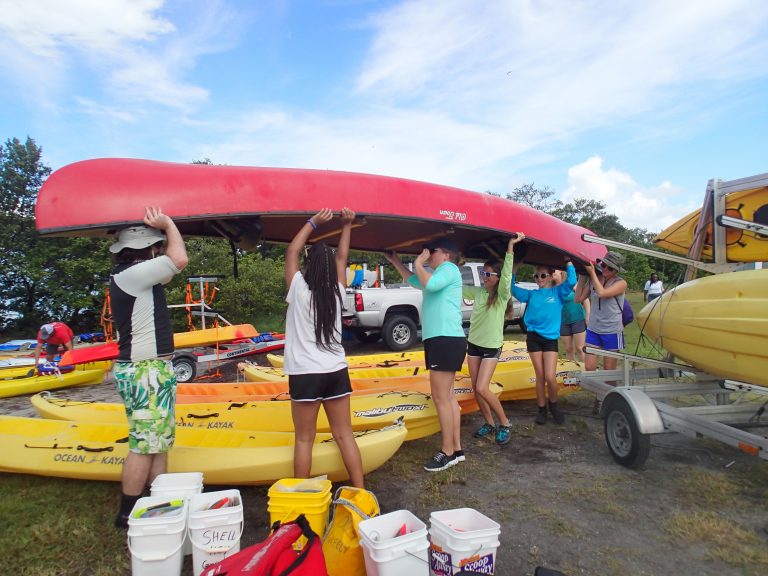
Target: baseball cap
[444, 243]
[136, 237]
[45, 331]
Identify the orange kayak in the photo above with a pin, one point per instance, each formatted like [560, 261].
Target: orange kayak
[252, 392]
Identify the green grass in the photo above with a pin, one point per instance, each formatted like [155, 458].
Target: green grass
[58, 526]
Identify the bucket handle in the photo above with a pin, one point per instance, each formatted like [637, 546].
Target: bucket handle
[217, 550]
[154, 558]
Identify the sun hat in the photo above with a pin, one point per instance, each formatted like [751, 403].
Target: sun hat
[136, 237]
[45, 331]
[444, 243]
[613, 260]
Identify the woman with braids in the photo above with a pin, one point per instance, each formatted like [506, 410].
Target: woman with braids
[314, 358]
[486, 337]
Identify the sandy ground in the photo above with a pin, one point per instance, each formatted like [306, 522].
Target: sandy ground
[698, 507]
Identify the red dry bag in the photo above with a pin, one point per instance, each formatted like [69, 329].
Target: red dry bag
[276, 556]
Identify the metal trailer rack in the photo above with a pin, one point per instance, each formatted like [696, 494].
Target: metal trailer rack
[640, 404]
[637, 398]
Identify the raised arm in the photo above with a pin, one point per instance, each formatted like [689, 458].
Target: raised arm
[293, 252]
[174, 248]
[615, 289]
[582, 287]
[342, 251]
[418, 267]
[393, 259]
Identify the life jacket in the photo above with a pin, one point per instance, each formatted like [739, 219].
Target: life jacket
[275, 556]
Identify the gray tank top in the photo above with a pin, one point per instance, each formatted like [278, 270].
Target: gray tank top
[605, 313]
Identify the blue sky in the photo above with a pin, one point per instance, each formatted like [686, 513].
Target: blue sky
[636, 104]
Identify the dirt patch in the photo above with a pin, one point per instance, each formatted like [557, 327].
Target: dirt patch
[698, 507]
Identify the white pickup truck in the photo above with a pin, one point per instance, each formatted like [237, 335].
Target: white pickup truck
[394, 313]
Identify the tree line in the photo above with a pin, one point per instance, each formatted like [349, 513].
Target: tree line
[64, 278]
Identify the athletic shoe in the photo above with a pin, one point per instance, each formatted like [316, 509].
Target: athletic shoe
[503, 434]
[541, 417]
[459, 456]
[485, 430]
[121, 521]
[440, 461]
[557, 416]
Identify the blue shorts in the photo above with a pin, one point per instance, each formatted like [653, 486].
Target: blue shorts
[613, 341]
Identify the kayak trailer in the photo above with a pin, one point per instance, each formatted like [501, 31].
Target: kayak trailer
[646, 397]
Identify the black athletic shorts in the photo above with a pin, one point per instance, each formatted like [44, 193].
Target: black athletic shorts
[537, 343]
[482, 352]
[573, 328]
[445, 353]
[313, 387]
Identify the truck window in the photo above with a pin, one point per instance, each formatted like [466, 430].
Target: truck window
[466, 276]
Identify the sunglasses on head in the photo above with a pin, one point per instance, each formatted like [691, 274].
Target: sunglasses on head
[488, 274]
[542, 275]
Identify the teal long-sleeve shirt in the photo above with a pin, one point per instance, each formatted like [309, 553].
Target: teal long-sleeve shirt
[441, 303]
[544, 307]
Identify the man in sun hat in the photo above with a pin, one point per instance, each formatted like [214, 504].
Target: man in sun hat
[53, 335]
[143, 371]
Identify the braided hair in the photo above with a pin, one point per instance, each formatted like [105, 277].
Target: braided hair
[493, 292]
[322, 279]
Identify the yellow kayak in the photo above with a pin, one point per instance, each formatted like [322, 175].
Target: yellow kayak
[374, 410]
[742, 245]
[718, 324]
[393, 359]
[92, 373]
[96, 451]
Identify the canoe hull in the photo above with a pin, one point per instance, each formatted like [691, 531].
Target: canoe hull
[89, 374]
[231, 201]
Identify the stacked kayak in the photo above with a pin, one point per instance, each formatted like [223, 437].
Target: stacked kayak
[718, 324]
[96, 451]
[369, 411]
[510, 349]
[251, 391]
[19, 383]
[514, 372]
[190, 339]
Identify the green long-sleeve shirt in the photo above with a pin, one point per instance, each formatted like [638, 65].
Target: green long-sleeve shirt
[486, 325]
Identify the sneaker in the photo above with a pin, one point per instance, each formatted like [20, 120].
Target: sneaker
[121, 521]
[596, 407]
[503, 434]
[440, 461]
[541, 417]
[557, 416]
[485, 430]
[459, 456]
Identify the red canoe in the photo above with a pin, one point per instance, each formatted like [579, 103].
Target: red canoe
[250, 205]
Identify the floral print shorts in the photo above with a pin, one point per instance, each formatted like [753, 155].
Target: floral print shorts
[148, 390]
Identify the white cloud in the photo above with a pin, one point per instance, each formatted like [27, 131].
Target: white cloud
[135, 53]
[636, 205]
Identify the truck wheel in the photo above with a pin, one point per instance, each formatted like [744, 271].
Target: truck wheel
[185, 369]
[628, 446]
[399, 333]
[367, 337]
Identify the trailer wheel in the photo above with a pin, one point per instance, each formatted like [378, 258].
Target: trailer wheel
[185, 369]
[628, 446]
[399, 333]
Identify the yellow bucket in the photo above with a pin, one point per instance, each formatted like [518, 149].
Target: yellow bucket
[289, 497]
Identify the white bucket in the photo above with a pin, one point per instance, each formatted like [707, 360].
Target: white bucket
[386, 553]
[155, 543]
[215, 534]
[462, 539]
[179, 485]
